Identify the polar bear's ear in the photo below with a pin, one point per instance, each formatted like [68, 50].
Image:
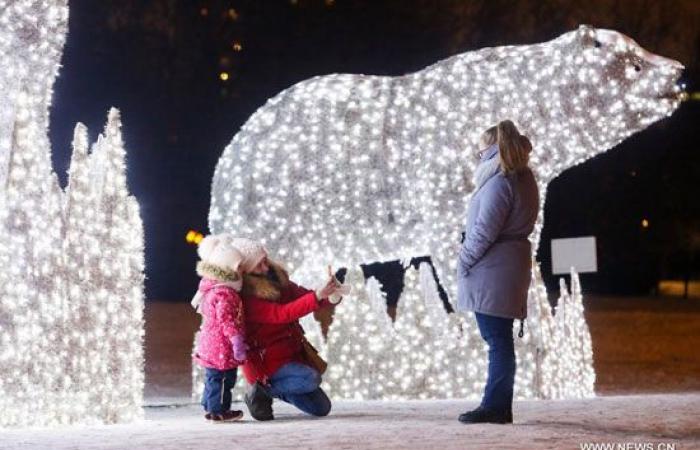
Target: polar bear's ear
[587, 36]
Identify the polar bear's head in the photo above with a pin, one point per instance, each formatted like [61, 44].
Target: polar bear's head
[609, 87]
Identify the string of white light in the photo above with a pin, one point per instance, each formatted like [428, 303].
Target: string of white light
[71, 292]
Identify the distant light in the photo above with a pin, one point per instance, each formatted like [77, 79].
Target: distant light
[689, 96]
[294, 2]
[645, 223]
[233, 14]
[194, 237]
[237, 46]
[204, 12]
[330, 2]
[679, 288]
[223, 76]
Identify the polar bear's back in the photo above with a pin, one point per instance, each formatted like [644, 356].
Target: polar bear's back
[312, 163]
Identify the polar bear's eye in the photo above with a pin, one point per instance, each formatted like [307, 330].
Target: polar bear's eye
[597, 44]
[633, 67]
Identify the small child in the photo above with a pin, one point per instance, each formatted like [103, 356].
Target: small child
[221, 345]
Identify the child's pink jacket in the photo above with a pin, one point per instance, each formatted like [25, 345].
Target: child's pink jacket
[222, 319]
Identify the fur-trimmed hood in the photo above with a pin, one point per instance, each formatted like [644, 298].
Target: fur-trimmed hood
[217, 273]
[213, 276]
[268, 287]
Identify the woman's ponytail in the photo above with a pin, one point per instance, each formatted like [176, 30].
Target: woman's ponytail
[514, 148]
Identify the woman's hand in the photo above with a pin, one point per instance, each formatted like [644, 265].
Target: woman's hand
[327, 290]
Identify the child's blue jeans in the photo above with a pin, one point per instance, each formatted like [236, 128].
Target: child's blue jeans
[299, 385]
[217, 390]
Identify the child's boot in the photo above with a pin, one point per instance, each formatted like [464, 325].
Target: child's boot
[226, 416]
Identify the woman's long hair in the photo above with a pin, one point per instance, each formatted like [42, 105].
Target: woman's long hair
[513, 148]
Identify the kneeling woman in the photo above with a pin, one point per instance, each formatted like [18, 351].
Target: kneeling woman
[277, 366]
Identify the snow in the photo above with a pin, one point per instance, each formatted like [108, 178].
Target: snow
[653, 361]
[670, 418]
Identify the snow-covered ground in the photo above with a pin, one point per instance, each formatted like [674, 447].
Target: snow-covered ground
[645, 349]
[671, 419]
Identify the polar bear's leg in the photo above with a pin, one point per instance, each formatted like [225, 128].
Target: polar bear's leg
[446, 268]
[445, 275]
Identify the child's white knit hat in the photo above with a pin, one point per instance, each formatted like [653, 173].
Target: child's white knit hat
[217, 250]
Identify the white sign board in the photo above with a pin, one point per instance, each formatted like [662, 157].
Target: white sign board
[578, 253]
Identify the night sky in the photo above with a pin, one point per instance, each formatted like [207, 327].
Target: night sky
[160, 61]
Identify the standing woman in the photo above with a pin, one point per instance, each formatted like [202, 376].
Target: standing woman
[495, 260]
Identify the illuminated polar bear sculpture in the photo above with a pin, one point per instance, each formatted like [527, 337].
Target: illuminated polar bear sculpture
[355, 168]
[348, 169]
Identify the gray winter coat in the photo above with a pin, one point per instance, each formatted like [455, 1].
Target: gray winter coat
[493, 270]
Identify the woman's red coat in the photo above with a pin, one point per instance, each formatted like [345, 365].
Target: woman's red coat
[273, 333]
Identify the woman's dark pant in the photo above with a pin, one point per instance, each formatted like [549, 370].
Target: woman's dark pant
[498, 334]
[217, 390]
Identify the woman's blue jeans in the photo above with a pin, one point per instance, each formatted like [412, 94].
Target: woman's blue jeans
[498, 334]
[299, 385]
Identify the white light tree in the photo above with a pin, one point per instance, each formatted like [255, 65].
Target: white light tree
[358, 339]
[544, 344]
[416, 348]
[575, 353]
[350, 169]
[71, 293]
[426, 354]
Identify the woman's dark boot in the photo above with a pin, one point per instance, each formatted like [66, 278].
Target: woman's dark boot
[481, 415]
[259, 403]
